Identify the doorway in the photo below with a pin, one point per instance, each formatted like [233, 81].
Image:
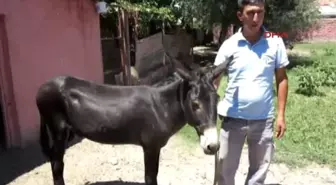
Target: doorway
[9, 128]
[2, 126]
[2, 116]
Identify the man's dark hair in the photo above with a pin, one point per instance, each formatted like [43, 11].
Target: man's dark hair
[243, 3]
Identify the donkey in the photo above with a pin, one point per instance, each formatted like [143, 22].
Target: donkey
[142, 115]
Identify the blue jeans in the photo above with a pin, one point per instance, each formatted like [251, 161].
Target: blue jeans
[259, 137]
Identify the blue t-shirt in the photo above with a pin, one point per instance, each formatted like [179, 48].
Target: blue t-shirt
[251, 68]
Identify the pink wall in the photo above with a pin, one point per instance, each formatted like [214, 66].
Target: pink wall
[324, 30]
[46, 39]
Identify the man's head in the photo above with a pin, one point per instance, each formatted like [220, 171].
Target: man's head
[251, 14]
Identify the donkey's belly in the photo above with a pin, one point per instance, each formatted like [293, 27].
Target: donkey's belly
[115, 136]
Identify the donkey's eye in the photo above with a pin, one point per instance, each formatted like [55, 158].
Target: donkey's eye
[195, 105]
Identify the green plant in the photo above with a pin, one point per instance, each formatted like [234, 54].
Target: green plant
[321, 73]
[309, 82]
[329, 52]
[327, 74]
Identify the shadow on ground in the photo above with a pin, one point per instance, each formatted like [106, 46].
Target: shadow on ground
[115, 183]
[16, 162]
[205, 55]
[128, 183]
[296, 60]
[204, 59]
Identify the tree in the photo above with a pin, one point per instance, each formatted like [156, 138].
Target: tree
[292, 16]
[281, 15]
[150, 14]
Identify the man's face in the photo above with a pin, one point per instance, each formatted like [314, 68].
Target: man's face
[252, 17]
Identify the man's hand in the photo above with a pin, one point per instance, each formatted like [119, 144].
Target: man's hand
[280, 127]
[216, 81]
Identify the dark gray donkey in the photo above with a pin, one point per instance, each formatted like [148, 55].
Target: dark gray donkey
[142, 115]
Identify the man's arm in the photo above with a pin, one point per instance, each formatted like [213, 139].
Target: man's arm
[282, 90]
[282, 87]
[221, 57]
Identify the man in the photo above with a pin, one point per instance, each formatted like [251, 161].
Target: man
[247, 109]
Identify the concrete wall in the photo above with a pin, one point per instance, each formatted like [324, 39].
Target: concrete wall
[46, 39]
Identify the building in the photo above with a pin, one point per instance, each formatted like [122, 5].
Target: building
[41, 39]
[325, 29]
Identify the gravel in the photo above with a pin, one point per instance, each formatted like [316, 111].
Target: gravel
[89, 163]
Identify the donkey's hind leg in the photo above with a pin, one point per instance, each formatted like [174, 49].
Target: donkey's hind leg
[59, 134]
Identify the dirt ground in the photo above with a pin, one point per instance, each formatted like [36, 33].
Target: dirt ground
[91, 163]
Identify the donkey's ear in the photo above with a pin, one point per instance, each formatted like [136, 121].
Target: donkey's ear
[185, 74]
[180, 68]
[215, 71]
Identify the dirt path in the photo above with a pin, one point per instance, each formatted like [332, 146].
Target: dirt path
[95, 164]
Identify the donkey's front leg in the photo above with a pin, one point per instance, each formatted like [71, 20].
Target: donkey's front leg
[151, 155]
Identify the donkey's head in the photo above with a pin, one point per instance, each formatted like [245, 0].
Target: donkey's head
[199, 103]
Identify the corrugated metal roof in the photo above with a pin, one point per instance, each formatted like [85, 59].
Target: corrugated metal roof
[327, 7]
[328, 10]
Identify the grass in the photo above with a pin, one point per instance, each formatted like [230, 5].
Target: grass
[311, 118]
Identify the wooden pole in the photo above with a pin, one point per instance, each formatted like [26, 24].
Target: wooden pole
[133, 39]
[121, 45]
[124, 46]
[127, 48]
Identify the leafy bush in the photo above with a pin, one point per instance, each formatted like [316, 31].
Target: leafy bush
[323, 73]
[309, 82]
[329, 52]
[328, 75]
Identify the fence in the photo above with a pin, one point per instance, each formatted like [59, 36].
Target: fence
[111, 59]
[149, 52]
